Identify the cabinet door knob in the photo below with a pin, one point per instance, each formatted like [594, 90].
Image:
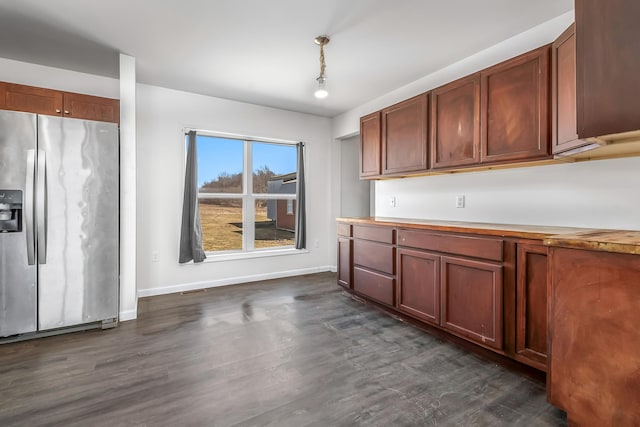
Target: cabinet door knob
[67, 112]
[57, 110]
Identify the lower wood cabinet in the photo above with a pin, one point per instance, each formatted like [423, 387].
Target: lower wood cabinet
[486, 288]
[419, 284]
[345, 261]
[374, 256]
[377, 286]
[531, 305]
[594, 366]
[471, 297]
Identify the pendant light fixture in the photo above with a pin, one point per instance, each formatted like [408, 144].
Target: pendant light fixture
[321, 92]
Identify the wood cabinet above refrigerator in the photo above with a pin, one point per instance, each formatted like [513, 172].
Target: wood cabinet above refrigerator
[51, 102]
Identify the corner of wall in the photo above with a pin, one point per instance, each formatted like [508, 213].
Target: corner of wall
[128, 282]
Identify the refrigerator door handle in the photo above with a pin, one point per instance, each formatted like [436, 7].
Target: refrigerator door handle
[41, 207]
[28, 207]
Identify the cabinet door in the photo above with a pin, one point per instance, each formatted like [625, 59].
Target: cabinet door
[419, 284]
[514, 97]
[3, 95]
[370, 145]
[32, 99]
[455, 123]
[594, 340]
[471, 295]
[564, 115]
[608, 60]
[531, 305]
[404, 136]
[88, 107]
[344, 261]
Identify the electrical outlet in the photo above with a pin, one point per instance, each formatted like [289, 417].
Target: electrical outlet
[155, 256]
[392, 201]
[460, 201]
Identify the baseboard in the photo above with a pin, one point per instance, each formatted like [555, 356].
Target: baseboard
[334, 269]
[123, 316]
[184, 287]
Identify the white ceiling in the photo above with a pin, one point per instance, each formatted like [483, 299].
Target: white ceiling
[261, 51]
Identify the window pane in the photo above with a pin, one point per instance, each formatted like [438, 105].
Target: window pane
[274, 226]
[220, 165]
[273, 162]
[221, 224]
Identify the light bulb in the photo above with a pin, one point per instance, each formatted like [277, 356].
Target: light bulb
[321, 92]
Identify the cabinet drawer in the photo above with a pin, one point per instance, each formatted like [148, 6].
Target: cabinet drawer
[377, 234]
[478, 247]
[374, 285]
[344, 229]
[376, 256]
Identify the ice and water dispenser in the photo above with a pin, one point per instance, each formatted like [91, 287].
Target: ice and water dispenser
[10, 211]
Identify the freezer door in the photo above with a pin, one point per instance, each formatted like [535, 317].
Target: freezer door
[78, 230]
[17, 277]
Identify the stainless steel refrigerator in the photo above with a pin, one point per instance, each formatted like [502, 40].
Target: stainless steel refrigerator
[59, 183]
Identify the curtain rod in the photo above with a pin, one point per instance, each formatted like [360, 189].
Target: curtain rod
[205, 132]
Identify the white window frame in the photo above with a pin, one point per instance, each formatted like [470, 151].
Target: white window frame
[248, 201]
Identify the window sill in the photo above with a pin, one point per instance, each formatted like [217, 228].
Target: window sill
[232, 256]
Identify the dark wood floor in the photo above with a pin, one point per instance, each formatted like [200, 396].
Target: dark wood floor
[288, 352]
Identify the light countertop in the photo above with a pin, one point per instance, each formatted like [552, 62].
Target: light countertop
[620, 241]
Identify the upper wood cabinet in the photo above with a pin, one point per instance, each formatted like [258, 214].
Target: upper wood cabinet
[455, 123]
[608, 64]
[514, 105]
[404, 136]
[370, 145]
[564, 126]
[56, 103]
[30, 99]
[87, 107]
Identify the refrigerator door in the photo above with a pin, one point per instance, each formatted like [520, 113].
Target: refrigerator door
[17, 277]
[78, 230]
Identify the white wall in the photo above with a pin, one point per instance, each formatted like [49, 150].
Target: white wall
[601, 194]
[354, 193]
[59, 79]
[162, 114]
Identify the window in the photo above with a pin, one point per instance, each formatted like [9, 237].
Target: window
[246, 193]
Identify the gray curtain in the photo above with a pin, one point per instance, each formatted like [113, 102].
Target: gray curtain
[191, 230]
[301, 214]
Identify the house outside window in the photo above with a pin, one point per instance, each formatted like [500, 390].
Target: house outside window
[239, 209]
